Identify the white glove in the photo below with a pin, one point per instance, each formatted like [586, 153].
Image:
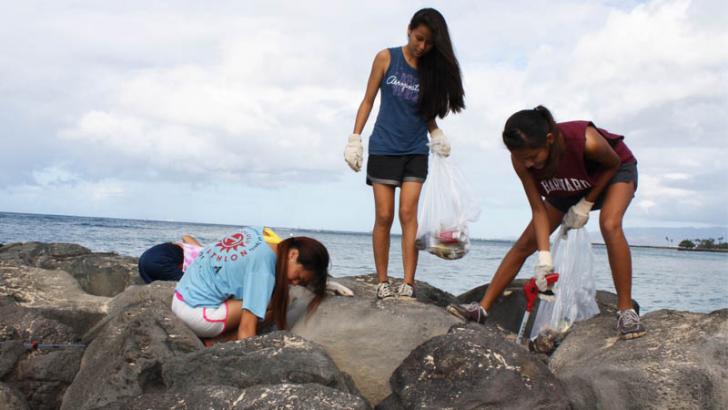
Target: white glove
[578, 214]
[544, 266]
[338, 289]
[353, 153]
[438, 143]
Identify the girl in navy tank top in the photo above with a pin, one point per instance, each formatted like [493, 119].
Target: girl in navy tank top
[418, 82]
[568, 169]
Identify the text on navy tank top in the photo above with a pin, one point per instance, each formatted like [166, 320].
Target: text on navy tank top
[399, 128]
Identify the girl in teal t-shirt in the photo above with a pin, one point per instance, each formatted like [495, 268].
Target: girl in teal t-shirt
[244, 277]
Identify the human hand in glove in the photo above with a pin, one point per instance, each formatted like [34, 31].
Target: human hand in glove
[544, 266]
[578, 214]
[438, 143]
[338, 289]
[353, 153]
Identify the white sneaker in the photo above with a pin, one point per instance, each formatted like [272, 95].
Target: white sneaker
[629, 326]
[384, 290]
[406, 291]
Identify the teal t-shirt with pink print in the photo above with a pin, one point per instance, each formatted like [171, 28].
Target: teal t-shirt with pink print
[240, 266]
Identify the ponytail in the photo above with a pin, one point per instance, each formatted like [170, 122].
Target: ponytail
[279, 299]
[528, 129]
[546, 114]
[557, 148]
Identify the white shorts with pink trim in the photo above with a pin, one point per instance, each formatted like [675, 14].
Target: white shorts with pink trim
[204, 321]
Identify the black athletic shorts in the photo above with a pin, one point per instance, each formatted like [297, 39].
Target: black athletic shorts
[395, 169]
[625, 173]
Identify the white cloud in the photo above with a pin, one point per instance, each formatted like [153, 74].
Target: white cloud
[655, 73]
[649, 56]
[264, 94]
[231, 117]
[677, 176]
[53, 175]
[67, 196]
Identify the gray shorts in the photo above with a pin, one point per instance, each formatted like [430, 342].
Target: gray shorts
[625, 173]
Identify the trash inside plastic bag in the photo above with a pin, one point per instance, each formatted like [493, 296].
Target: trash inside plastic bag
[448, 206]
[576, 289]
[455, 247]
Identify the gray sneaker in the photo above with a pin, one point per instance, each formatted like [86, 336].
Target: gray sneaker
[629, 325]
[472, 312]
[406, 291]
[384, 290]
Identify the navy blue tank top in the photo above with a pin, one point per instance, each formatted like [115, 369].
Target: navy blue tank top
[399, 129]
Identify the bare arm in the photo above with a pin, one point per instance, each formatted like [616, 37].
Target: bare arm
[597, 149]
[247, 326]
[379, 67]
[432, 125]
[538, 209]
[191, 240]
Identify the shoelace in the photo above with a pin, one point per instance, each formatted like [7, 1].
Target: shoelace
[628, 319]
[405, 290]
[475, 307]
[384, 290]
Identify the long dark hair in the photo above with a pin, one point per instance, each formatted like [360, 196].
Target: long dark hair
[314, 257]
[528, 129]
[441, 85]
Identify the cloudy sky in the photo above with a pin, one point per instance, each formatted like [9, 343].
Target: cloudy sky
[237, 112]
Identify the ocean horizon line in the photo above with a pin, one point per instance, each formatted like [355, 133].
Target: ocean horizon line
[299, 228]
[171, 221]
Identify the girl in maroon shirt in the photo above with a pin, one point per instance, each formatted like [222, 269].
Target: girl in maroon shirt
[567, 169]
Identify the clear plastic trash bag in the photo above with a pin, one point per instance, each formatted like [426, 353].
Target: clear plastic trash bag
[576, 288]
[448, 206]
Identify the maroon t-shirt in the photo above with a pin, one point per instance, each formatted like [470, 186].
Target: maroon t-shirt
[575, 175]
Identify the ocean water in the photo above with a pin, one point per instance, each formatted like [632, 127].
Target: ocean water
[662, 278]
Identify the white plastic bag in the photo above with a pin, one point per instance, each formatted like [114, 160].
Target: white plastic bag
[576, 288]
[448, 206]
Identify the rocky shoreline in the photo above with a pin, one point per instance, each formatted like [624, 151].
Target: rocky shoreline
[106, 341]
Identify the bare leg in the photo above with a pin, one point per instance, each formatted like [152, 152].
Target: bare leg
[384, 215]
[235, 312]
[512, 262]
[617, 199]
[409, 196]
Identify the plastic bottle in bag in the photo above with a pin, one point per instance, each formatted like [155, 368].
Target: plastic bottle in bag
[450, 235]
[446, 243]
[576, 289]
[447, 208]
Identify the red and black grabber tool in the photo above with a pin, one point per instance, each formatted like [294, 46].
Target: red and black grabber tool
[531, 292]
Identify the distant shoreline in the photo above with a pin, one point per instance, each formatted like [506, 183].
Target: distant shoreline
[676, 248]
[704, 250]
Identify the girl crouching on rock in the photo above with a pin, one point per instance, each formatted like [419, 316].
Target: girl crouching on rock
[575, 167]
[169, 260]
[244, 278]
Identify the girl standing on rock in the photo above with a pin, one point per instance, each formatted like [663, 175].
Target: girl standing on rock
[235, 281]
[419, 81]
[576, 167]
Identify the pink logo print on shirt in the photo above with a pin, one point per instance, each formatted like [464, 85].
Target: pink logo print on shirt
[235, 245]
[232, 243]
